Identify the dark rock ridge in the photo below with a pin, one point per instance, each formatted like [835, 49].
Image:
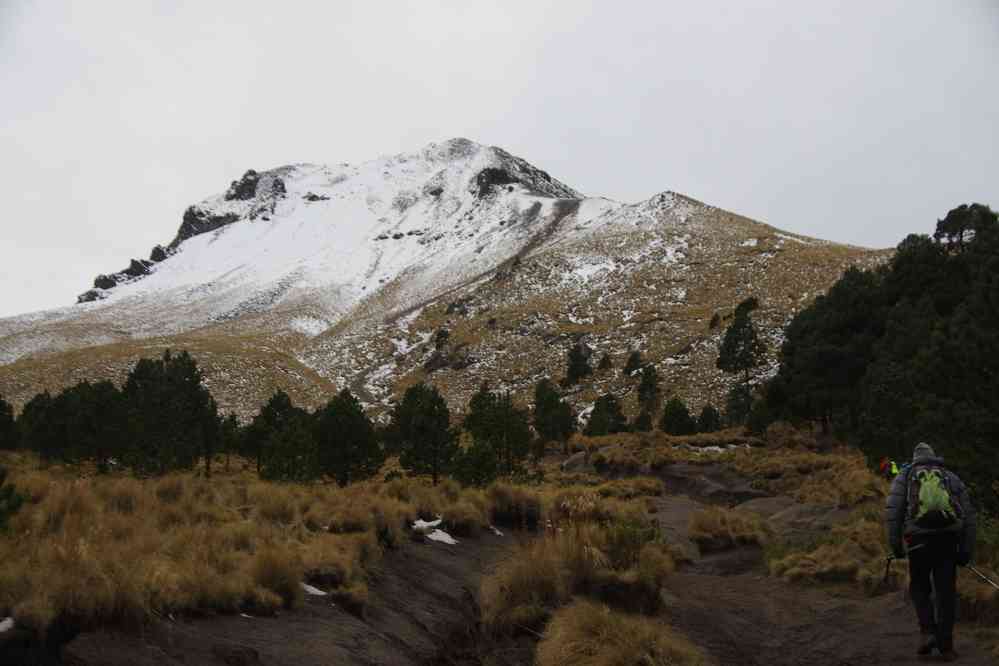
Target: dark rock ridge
[198, 221]
[248, 187]
[266, 188]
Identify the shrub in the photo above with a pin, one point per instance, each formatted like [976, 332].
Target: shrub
[281, 572]
[591, 634]
[716, 528]
[515, 506]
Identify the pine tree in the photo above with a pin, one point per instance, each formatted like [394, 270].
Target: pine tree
[605, 362]
[39, 429]
[578, 365]
[422, 433]
[290, 452]
[230, 435]
[8, 426]
[172, 418]
[676, 418]
[648, 388]
[606, 418]
[738, 402]
[348, 445]
[741, 349]
[634, 363]
[553, 417]
[275, 416]
[494, 421]
[643, 422]
[709, 420]
[441, 339]
[476, 465]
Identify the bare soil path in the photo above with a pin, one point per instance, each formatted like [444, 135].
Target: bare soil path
[729, 606]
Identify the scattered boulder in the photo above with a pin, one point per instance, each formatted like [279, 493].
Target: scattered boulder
[158, 254]
[90, 296]
[577, 462]
[437, 361]
[312, 197]
[435, 191]
[105, 282]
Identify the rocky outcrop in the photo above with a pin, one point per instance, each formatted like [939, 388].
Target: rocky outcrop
[251, 184]
[199, 221]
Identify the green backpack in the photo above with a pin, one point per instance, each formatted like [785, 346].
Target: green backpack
[933, 503]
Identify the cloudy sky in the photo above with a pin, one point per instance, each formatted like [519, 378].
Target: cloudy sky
[858, 122]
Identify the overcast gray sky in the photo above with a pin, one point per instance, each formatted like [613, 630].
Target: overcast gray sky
[859, 122]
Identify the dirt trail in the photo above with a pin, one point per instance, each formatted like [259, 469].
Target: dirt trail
[728, 605]
[421, 594]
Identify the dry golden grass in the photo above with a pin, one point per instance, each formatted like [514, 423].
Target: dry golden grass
[586, 550]
[591, 634]
[841, 478]
[101, 550]
[717, 528]
[853, 552]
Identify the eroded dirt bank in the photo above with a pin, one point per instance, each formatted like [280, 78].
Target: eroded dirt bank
[421, 595]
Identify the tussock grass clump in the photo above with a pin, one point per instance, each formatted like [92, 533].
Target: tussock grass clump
[642, 486]
[584, 504]
[838, 479]
[617, 564]
[591, 634]
[716, 528]
[515, 506]
[280, 571]
[849, 553]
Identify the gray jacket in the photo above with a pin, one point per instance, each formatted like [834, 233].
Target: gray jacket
[896, 508]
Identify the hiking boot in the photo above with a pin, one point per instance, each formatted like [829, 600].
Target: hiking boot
[926, 644]
[948, 655]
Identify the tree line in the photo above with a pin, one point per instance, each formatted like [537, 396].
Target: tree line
[164, 418]
[905, 352]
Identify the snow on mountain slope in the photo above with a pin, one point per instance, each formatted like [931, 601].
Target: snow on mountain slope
[310, 278]
[332, 238]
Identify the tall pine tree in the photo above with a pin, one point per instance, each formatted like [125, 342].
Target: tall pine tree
[741, 349]
[553, 417]
[348, 445]
[421, 430]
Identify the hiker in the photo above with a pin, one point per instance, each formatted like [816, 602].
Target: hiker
[930, 519]
[888, 468]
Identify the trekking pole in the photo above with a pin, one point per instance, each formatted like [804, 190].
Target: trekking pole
[985, 578]
[887, 569]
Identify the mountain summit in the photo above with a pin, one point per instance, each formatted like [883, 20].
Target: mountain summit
[312, 277]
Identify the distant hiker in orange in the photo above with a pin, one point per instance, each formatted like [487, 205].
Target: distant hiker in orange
[888, 468]
[930, 518]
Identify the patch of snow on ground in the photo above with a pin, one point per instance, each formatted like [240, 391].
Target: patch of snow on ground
[796, 240]
[442, 537]
[749, 242]
[309, 326]
[495, 530]
[314, 591]
[405, 322]
[426, 524]
[587, 268]
[8, 623]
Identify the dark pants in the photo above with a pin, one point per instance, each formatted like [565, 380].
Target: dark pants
[935, 559]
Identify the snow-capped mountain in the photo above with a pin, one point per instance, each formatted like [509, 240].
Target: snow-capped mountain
[311, 277]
